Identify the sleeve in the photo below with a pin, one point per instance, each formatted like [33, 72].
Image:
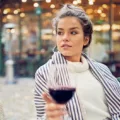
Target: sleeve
[40, 87]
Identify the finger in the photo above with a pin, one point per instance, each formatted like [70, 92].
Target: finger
[54, 106]
[56, 113]
[47, 98]
[55, 118]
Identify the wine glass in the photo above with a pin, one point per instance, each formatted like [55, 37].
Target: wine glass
[59, 85]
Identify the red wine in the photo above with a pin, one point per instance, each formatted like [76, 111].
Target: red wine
[62, 95]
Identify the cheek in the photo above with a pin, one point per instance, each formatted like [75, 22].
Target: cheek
[58, 41]
[78, 45]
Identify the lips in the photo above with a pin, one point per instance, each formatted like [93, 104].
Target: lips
[66, 45]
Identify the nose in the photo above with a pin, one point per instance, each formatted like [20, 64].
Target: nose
[66, 37]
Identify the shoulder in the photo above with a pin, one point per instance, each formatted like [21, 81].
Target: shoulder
[101, 66]
[104, 70]
[43, 69]
[41, 77]
[94, 63]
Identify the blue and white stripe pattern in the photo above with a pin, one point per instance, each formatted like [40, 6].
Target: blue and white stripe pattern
[100, 71]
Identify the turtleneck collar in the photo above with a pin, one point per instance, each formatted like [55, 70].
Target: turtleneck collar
[78, 66]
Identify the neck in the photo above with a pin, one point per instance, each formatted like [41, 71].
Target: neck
[73, 59]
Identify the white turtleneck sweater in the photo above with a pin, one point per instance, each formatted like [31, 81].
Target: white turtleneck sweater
[89, 90]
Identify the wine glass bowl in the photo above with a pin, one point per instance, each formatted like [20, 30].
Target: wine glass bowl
[60, 87]
[62, 94]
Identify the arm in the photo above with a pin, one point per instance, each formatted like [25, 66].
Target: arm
[40, 88]
[46, 108]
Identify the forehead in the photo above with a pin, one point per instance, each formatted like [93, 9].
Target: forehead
[68, 22]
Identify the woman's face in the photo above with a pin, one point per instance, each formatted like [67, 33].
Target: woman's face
[70, 38]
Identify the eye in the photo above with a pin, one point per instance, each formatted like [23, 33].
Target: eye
[73, 32]
[60, 33]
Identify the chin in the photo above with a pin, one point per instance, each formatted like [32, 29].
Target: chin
[66, 53]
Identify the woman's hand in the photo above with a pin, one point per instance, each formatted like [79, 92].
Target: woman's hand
[54, 111]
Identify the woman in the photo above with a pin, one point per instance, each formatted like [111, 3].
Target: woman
[97, 95]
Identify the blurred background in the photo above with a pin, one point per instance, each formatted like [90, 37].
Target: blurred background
[27, 39]
[26, 34]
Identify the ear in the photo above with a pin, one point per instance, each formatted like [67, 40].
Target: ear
[86, 40]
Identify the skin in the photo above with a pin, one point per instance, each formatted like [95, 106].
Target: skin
[53, 111]
[70, 40]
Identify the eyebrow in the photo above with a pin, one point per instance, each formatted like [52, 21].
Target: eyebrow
[70, 28]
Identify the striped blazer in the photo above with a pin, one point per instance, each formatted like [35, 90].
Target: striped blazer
[101, 72]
